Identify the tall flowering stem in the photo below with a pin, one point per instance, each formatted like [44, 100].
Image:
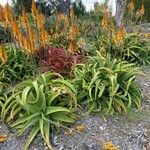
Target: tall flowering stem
[140, 13]
[73, 33]
[131, 8]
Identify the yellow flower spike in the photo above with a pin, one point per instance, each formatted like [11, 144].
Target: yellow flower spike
[3, 55]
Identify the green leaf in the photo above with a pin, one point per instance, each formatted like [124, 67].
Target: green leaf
[54, 109]
[62, 117]
[34, 132]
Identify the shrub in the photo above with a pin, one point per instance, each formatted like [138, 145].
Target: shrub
[107, 85]
[56, 59]
[40, 104]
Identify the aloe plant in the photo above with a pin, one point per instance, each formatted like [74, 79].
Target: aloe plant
[40, 104]
[134, 49]
[18, 66]
[107, 85]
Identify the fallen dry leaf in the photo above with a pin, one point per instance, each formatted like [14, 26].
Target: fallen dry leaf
[76, 130]
[80, 128]
[3, 138]
[70, 132]
[109, 146]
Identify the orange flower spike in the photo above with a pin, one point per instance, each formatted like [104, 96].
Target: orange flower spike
[76, 27]
[19, 38]
[15, 29]
[131, 6]
[140, 12]
[72, 33]
[3, 55]
[25, 43]
[66, 21]
[31, 37]
[46, 36]
[33, 9]
[73, 46]
[2, 14]
[29, 46]
[119, 36]
[24, 18]
[8, 15]
[105, 22]
[40, 21]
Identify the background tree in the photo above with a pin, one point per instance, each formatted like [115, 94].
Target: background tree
[47, 7]
[19, 4]
[79, 8]
[64, 6]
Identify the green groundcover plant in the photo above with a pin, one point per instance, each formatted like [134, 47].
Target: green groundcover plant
[40, 105]
[107, 85]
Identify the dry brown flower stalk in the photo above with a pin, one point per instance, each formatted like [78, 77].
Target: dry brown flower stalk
[3, 55]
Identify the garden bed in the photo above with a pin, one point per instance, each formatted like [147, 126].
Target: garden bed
[131, 132]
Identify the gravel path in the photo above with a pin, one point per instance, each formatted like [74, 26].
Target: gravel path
[131, 132]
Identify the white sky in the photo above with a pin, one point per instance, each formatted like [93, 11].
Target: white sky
[88, 3]
[3, 2]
